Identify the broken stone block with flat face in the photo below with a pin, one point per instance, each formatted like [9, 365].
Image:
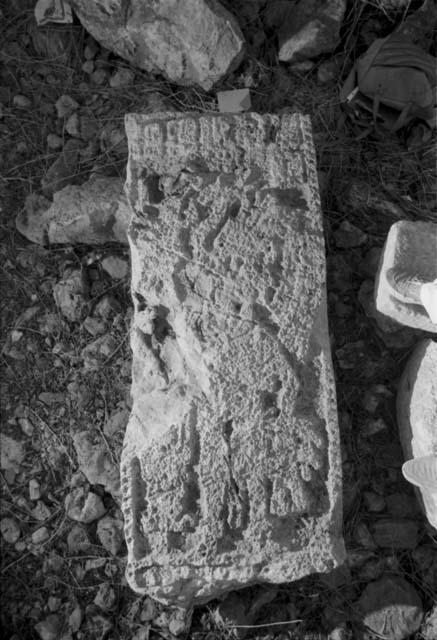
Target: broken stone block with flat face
[231, 466]
[416, 406]
[410, 249]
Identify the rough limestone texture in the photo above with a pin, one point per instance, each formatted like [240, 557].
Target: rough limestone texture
[96, 212]
[189, 41]
[416, 405]
[410, 247]
[231, 466]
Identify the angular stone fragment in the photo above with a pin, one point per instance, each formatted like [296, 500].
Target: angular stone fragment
[95, 212]
[416, 407]
[189, 41]
[231, 465]
[411, 248]
[312, 28]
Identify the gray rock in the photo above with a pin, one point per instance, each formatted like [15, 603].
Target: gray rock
[72, 126]
[96, 463]
[110, 533]
[69, 295]
[391, 607]
[373, 502]
[122, 78]
[188, 41]
[12, 453]
[49, 628]
[40, 536]
[105, 597]
[411, 247]
[22, 102]
[84, 506]
[98, 352]
[107, 307]
[9, 529]
[54, 142]
[231, 455]
[348, 235]
[416, 410]
[116, 422]
[402, 505]
[116, 266]
[64, 170]
[94, 326]
[30, 220]
[395, 534]
[78, 540]
[65, 106]
[314, 29]
[95, 212]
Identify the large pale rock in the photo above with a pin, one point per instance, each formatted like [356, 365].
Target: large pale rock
[411, 248]
[188, 41]
[95, 212]
[310, 28]
[416, 405]
[231, 465]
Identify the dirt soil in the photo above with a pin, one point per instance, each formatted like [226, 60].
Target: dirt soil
[60, 577]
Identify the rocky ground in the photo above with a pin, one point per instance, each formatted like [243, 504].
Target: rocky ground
[66, 362]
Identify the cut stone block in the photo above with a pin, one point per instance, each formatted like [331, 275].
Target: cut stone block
[230, 469]
[410, 247]
[417, 413]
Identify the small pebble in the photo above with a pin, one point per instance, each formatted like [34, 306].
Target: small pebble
[9, 530]
[34, 489]
[348, 235]
[88, 67]
[65, 106]
[122, 78]
[99, 77]
[110, 534]
[22, 102]
[105, 598]
[40, 536]
[72, 126]
[54, 142]
[91, 50]
[372, 427]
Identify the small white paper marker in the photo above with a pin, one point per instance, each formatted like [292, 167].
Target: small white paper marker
[234, 101]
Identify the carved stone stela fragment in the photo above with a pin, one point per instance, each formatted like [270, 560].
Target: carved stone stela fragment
[231, 467]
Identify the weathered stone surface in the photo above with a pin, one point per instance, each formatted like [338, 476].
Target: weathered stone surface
[410, 247]
[313, 29]
[230, 468]
[391, 607]
[95, 212]
[416, 406]
[188, 41]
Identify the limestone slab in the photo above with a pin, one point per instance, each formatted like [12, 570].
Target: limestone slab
[416, 405]
[231, 468]
[411, 248]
